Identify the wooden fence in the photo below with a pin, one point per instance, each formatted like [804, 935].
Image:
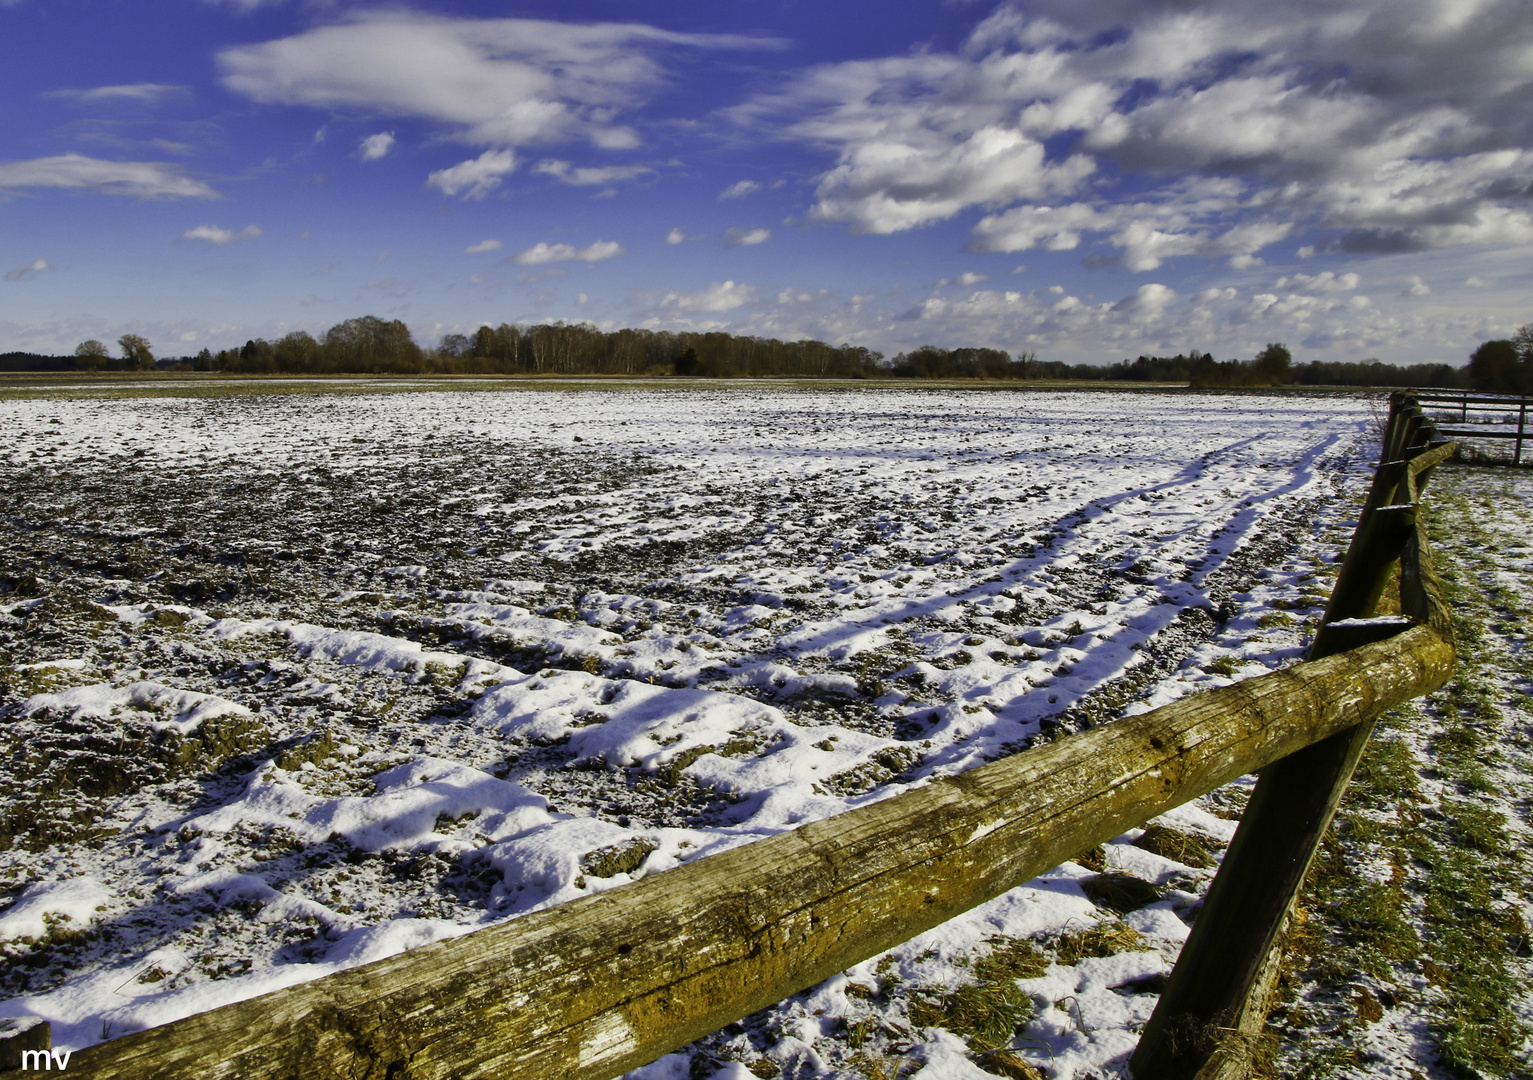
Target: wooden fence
[604, 984]
[1219, 993]
[1491, 416]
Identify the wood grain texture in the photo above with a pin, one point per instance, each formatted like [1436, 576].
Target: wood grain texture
[601, 985]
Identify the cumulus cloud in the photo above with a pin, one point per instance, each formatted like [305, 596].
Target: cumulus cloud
[541, 253]
[590, 175]
[136, 179]
[481, 247]
[895, 183]
[1415, 286]
[1147, 233]
[221, 237]
[1147, 300]
[1391, 125]
[32, 269]
[675, 236]
[490, 82]
[476, 177]
[136, 93]
[746, 237]
[740, 189]
[716, 298]
[376, 146]
[1056, 228]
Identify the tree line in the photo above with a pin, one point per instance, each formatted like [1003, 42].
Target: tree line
[374, 346]
[1502, 366]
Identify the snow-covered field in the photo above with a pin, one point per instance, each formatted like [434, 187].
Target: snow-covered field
[294, 683]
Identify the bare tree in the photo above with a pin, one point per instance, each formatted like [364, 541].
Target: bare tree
[1522, 340]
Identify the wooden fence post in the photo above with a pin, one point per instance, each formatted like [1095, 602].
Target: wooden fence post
[1391, 429]
[1522, 419]
[1410, 421]
[1215, 1001]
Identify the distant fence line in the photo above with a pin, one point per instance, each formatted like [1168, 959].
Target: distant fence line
[1493, 416]
[598, 986]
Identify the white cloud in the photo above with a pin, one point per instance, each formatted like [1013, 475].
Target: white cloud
[675, 236]
[1147, 300]
[714, 299]
[376, 146]
[137, 179]
[1249, 124]
[1326, 281]
[1415, 286]
[746, 237]
[1396, 125]
[490, 82]
[740, 189]
[970, 277]
[1474, 281]
[1145, 246]
[1057, 228]
[590, 175]
[477, 177]
[898, 182]
[481, 247]
[221, 237]
[138, 93]
[32, 269]
[541, 253]
[1147, 233]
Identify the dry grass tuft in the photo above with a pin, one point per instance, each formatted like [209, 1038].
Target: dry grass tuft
[1103, 940]
[1176, 846]
[1008, 1063]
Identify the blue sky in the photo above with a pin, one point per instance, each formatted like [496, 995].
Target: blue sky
[1086, 179]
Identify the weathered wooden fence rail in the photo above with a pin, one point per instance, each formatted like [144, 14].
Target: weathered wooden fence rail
[601, 985]
[1492, 420]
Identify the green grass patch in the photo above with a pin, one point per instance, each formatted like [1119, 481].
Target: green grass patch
[1387, 774]
[1447, 910]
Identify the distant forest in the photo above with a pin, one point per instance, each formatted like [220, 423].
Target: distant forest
[370, 345]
